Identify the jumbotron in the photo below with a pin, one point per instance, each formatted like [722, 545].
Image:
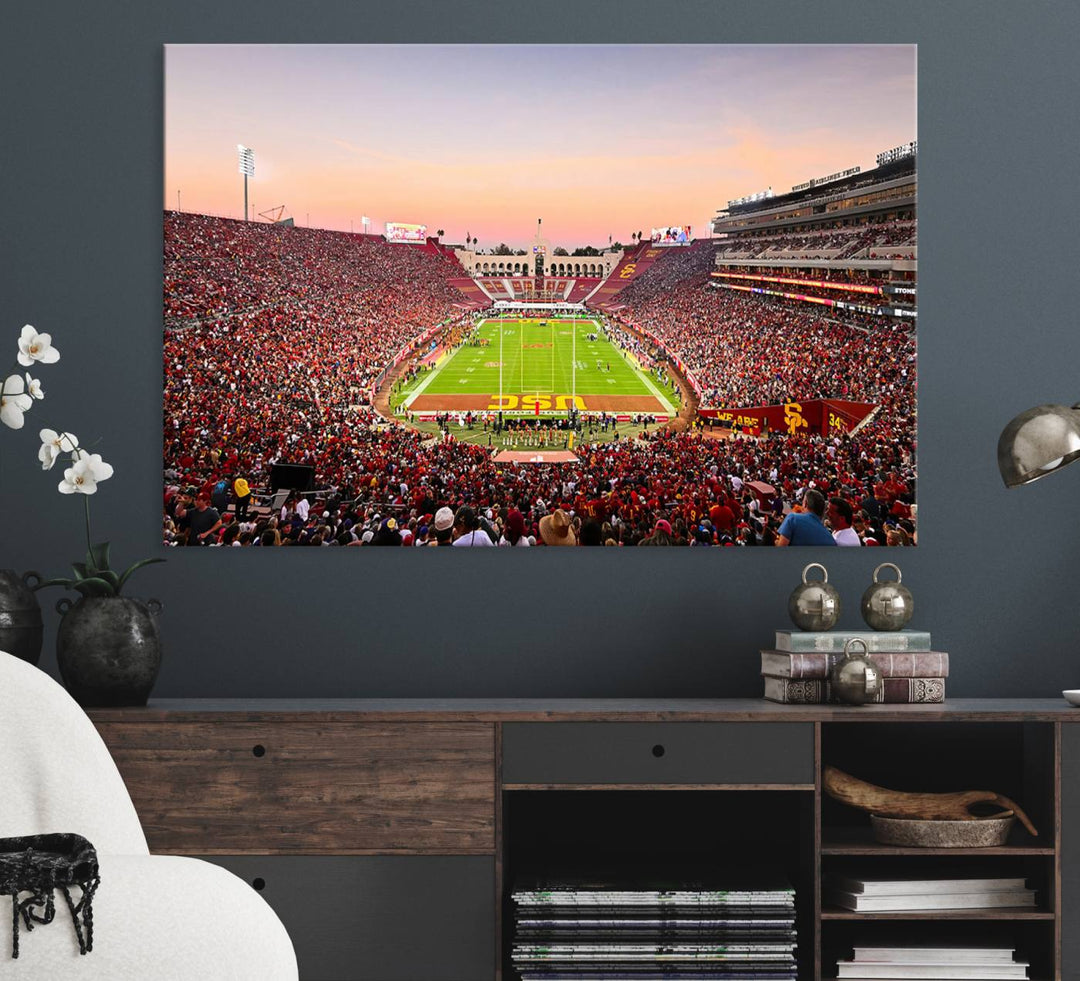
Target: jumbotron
[333, 389]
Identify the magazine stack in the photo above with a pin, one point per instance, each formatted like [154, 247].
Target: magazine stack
[580, 931]
[908, 963]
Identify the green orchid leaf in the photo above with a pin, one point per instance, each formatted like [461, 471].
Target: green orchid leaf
[138, 565]
[111, 578]
[80, 570]
[97, 559]
[66, 583]
[94, 587]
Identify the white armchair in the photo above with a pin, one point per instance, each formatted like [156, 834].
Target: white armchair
[156, 918]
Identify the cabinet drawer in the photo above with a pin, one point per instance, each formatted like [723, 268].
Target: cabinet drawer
[695, 753]
[381, 918]
[229, 788]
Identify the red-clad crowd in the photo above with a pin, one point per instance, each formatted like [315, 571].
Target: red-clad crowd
[283, 333]
[665, 488]
[745, 350]
[275, 335]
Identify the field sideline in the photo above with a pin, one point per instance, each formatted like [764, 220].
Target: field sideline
[545, 365]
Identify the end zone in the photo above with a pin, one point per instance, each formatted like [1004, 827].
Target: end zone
[535, 456]
[527, 404]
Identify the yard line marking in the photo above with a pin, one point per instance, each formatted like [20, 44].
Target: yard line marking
[424, 384]
[652, 388]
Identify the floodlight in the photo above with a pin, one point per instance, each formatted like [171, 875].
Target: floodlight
[245, 166]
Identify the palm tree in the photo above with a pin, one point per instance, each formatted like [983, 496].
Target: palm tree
[440, 233]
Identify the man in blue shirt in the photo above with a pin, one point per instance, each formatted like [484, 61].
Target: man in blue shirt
[806, 527]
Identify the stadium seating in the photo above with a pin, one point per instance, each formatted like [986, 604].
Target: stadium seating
[475, 296]
[581, 289]
[634, 263]
[275, 337]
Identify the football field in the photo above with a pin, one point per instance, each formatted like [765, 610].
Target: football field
[538, 367]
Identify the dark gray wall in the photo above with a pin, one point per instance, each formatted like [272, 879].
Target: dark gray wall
[995, 577]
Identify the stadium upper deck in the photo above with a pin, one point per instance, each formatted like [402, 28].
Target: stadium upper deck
[886, 193]
[861, 224]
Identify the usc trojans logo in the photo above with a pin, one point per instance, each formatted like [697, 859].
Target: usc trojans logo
[793, 418]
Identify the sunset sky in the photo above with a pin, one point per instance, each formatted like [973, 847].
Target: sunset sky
[484, 139]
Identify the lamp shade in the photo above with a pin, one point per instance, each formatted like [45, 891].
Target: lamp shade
[1037, 442]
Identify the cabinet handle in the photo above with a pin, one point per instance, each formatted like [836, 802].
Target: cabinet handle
[258, 884]
[658, 751]
[258, 750]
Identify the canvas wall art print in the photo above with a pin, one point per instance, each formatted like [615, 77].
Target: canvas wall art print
[540, 295]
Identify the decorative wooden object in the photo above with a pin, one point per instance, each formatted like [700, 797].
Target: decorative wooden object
[901, 804]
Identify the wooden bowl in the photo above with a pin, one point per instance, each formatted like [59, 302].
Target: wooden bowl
[913, 832]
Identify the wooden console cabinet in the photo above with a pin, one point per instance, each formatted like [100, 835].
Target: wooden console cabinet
[387, 833]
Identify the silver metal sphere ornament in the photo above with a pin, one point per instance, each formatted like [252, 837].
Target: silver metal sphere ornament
[856, 680]
[814, 605]
[887, 605]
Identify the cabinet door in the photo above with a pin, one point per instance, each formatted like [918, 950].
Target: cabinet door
[1070, 850]
[381, 918]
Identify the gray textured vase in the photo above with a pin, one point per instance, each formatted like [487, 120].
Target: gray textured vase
[21, 629]
[108, 649]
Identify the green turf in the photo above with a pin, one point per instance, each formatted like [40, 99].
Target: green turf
[537, 360]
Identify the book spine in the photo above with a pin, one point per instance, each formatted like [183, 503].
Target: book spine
[832, 642]
[895, 691]
[814, 665]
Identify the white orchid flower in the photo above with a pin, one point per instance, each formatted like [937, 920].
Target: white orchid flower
[36, 347]
[83, 476]
[53, 444]
[14, 401]
[33, 387]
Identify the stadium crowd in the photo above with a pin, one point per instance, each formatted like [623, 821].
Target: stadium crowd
[746, 350]
[663, 488]
[270, 355]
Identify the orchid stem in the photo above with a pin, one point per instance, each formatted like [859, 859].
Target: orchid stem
[89, 547]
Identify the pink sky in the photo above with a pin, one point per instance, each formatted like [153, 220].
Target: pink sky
[484, 139]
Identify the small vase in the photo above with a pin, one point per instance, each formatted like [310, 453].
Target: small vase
[108, 649]
[21, 628]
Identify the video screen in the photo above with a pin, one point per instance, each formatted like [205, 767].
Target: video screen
[397, 231]
[675, 235]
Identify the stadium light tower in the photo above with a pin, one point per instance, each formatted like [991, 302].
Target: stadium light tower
[246, 166]
[365, 221]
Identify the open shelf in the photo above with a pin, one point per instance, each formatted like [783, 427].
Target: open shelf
[1003, 913]
[1016, 759]
[711, 836]
[860, 841]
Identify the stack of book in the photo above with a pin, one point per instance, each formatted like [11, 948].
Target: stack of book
[579, 931]
[903, 894]
[796, 671]
[938, 963]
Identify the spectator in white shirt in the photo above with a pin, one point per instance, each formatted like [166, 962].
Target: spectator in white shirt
[468, 530]
[839, 516]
